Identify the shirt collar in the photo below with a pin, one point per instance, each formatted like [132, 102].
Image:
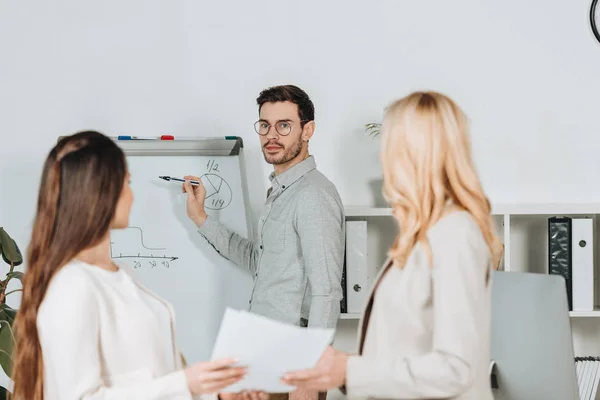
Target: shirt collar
[293, 174]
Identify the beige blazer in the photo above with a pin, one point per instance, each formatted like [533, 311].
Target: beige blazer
[425, 330]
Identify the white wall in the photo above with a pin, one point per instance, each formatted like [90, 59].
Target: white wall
[526, 72]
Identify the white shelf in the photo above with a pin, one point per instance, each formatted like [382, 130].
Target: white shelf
[546, 208]
[585, 314]
[349, 316]
[497, 209]
[572, 314]
[367, 212]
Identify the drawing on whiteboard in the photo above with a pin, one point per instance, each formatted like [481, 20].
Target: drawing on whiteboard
[218, 191]
[150, 256]
[212, 165]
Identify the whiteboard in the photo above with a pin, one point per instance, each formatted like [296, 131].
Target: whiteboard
[162, 246]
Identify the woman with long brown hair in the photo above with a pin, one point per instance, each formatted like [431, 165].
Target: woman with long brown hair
[86, 329]
[425, 331]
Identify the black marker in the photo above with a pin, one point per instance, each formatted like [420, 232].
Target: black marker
[170, 178]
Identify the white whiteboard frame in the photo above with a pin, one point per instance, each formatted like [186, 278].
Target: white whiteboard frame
[218, 146]
[210, 146]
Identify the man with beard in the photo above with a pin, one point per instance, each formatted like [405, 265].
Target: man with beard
[298, 256]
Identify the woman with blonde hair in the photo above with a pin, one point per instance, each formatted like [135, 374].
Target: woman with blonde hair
[425, 331]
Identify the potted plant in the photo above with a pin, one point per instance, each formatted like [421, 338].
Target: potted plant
[373, 128]
[12, 256]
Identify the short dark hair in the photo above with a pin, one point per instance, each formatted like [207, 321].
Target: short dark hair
[291, 93]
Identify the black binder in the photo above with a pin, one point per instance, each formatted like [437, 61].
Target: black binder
[560, 253]
[343, 302]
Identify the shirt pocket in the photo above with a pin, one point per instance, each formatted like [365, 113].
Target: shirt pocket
[274, 235]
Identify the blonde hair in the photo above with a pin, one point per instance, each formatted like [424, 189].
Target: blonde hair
[426, 159]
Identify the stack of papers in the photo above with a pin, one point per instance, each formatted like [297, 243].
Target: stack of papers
[268, 348]
[588, 376]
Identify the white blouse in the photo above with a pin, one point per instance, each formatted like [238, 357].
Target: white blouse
[103, 336]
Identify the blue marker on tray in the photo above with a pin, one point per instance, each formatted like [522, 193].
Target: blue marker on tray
[162, 137]
[123, 137]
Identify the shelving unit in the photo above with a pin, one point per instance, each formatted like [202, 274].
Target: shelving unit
[507, 216]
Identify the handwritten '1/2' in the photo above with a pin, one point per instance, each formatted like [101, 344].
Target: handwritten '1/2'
[211, 166]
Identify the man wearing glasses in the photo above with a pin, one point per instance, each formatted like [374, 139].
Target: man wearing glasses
[297, 259]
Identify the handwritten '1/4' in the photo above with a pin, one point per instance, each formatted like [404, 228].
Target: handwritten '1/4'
[216, 202]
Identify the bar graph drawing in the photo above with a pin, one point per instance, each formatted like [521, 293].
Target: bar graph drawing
[129, 244]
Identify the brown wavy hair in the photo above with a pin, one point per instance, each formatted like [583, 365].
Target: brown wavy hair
[80, 186]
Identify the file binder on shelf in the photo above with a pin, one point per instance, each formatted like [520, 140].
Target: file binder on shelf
[344, 302]
[560, 252]
[356, 266]
[588, 376]
[583, 263]
[493, 375]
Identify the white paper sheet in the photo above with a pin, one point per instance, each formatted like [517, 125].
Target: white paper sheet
[268, 348]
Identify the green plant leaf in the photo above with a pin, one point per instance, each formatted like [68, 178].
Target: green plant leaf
[15, 274]
[7, 313]
[9, 249]
[7, 342]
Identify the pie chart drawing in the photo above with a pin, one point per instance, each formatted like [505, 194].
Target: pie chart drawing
[218, 192]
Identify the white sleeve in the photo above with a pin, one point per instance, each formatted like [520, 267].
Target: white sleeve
[68, 330]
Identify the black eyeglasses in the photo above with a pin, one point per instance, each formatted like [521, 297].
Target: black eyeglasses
[283, 128]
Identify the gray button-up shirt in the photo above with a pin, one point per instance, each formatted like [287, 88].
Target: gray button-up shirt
[298, 257]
